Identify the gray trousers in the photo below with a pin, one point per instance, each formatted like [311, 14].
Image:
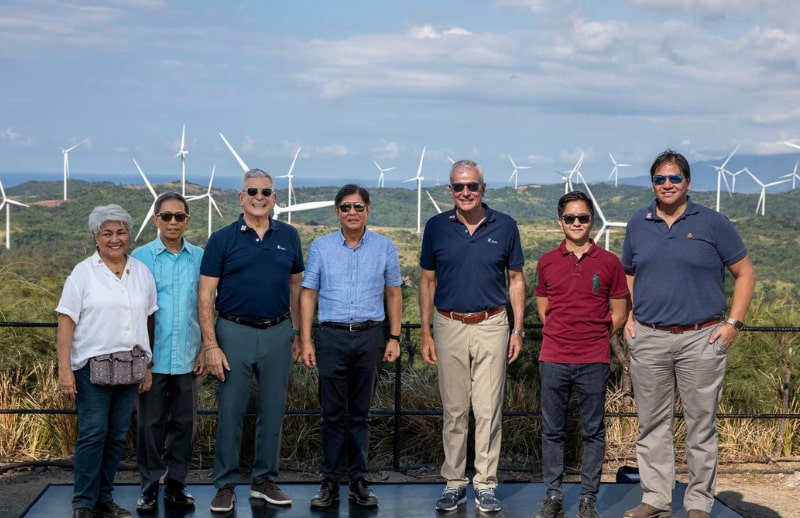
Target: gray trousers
[660, 361]
[267, 355]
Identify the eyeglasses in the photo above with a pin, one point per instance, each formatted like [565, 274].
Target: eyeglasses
[345, 207]
[583, 219]
[180, 217]
[674, 179]
[253, 191]
[472, 186]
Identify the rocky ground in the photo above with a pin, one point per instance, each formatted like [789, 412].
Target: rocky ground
[753, 490]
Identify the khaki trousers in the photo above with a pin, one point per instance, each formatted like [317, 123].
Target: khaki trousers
[472, 370]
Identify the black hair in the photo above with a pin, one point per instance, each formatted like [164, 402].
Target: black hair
[670, 156]
[575, 196]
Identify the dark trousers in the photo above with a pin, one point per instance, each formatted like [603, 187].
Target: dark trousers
[348, 364]
[589, 380]
[166, 429]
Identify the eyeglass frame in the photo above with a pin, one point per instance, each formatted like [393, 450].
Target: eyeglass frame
[569, 219]
[674, 179]
[471, 186]
[265, 191]
[345, 207]
[180, 217]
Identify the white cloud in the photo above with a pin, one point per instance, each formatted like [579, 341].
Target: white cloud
[12, 137]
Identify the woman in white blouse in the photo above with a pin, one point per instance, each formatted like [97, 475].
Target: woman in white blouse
[105, 307]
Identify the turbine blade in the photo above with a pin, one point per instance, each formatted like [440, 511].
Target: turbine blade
[235, 154]
[146, 181]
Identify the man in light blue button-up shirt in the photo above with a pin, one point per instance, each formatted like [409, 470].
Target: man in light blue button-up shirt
[351, 272]
[167, 411]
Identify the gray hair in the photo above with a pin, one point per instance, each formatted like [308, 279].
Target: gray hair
[467, 164]
[256, 173]
[112, 212]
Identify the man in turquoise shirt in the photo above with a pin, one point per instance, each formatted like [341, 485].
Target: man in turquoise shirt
[167, 412]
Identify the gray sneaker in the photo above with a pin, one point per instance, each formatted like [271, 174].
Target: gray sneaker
[225, 499]
[451, 498]
[487, 501]
[269, 491]
[552, 507]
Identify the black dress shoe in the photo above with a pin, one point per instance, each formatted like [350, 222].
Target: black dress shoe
[176, 494]
[327, 495]
[147, 501]
[82, 513]
[362, 493]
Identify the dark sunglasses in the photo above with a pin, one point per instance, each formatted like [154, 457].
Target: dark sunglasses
[180, 217]
[345, 207]
[472, 186]
[674, 179]
[583, 219]
[253, 191]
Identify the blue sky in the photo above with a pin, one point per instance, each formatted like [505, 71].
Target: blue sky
[356, 81]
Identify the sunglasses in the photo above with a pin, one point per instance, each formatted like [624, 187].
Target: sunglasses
[472, 186]
[583, 219]
[253, 191]
[674, 179]
[180, 217]
[345, 207]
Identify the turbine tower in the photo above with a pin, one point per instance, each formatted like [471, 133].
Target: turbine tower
[382, 170]
[182, 154]
[762, 198]
[721, 171]
[793, 175]
[607, 225]
[152, 208]
[290, 176]
[65, 152]
[615, 171]
[8, 202]
[515, 174]
[733, 178]
[419, 179]
[211, 202]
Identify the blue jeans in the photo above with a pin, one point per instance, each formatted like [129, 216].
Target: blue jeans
[589, 380]
[104, 415]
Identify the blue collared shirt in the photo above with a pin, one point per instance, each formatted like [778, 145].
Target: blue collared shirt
[351, 281]
[177, 332]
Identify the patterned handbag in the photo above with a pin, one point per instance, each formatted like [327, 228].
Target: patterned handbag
[119, 368]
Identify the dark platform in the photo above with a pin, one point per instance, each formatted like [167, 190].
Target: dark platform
[396, 500]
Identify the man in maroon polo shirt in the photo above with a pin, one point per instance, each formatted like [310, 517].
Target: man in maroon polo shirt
[582, 299]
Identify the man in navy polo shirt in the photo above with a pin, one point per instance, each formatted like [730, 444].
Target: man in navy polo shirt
[350, 272]
[675, 256]
[582, 300]
[249, 282]
[466, 255]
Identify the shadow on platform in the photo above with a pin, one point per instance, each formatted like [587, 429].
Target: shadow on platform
[396, 500]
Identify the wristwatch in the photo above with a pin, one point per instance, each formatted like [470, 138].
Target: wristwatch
[737, 324]
[394, 337]
[519, 332]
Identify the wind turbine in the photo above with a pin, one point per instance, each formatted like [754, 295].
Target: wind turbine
[211, 202]
[435, 205]
[607, 225]
[290, 176]
[791, 144]
[235, 154]
[567, 175]
[721, 175]
[733, 178]
[297, 207]
[382, 170]
[65, 152]
[152, 208]
[182, 154]
[793, 175]
[762, 199]
[515, 174]
[615, 171]
[419, 179]
[8, 203]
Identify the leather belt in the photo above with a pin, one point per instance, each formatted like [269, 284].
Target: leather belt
[355, 326]
[471, 318]
[258, 324]
[676, 330]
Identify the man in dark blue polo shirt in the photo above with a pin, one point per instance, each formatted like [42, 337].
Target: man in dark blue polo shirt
[467, 252]
[248, 306]
[675, 256]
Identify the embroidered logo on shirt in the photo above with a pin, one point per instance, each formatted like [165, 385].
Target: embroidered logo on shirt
[689, 235]
[492, 241]
[281, 248]
[595, 284]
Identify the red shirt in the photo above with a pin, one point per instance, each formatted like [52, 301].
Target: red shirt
[577, 319]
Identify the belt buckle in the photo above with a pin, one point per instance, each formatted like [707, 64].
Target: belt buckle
[465, 316]
[350, 327]
[676, 330]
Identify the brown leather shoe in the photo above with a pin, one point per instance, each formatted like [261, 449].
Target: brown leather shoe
[647, 511]
[697, 513]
